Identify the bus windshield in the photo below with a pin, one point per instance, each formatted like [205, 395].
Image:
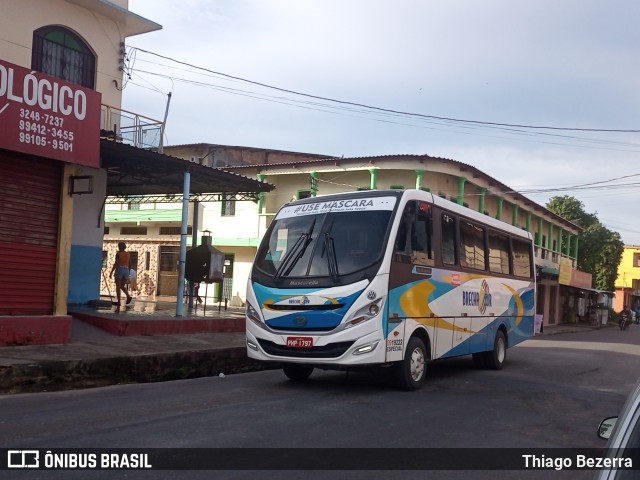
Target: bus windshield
[329, 244]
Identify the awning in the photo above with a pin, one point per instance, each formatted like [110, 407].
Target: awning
[133, 171]
[589, 291]
[592, 290]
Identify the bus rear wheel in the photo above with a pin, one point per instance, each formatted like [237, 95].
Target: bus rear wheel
[412, 370]
[297, 373]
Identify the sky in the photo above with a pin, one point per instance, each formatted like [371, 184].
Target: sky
[462, 79]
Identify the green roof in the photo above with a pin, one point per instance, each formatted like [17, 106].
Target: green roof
[235, 242]
[160, 215]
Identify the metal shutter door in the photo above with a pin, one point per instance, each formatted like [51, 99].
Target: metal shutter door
[29, 215]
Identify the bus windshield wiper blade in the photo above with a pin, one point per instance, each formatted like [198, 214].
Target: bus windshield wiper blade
[295, 254]
[331, 257]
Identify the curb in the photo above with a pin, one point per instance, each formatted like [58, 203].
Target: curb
[78, 374]
[60, 375]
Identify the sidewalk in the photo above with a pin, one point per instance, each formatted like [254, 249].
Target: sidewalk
[95, 357]
[145, 343]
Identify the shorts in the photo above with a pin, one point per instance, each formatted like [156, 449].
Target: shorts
[122, 273]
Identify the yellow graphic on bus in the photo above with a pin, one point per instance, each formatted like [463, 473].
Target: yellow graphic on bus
[414, 303]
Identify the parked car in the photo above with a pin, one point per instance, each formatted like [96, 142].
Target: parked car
[623, 432]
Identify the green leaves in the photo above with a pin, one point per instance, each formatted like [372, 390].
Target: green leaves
[599, 249]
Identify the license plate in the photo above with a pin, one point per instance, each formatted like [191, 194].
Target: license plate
[300, 342]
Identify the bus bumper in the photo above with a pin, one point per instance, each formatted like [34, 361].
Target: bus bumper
[360, 345]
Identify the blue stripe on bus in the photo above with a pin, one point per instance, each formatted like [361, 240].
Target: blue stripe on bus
[302, 319]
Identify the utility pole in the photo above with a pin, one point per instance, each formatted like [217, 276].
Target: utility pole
[164, 122]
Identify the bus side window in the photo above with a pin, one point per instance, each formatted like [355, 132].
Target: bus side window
[499, 253]
[422, 253]
[522, 259]
[413, 241]
[448, 230]
[402, 245]
[472, 249]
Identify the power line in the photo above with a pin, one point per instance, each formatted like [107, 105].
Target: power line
[387, 110]
[600, 144]
[599, 185]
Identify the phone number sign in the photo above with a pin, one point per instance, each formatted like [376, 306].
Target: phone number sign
[43, 115]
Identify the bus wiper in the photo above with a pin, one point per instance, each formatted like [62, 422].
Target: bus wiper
[329, 247]
[331, 257]
[297, 251]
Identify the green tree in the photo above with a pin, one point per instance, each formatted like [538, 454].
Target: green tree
[599, 249]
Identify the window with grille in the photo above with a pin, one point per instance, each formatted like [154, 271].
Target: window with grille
[636, 259]
[134, 204]
[169, 258]
[174, 230]
[133, 230]
[228, 207]
[63, 54]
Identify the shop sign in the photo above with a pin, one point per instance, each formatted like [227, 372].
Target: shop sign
[45, 116]
[566, 267]
[580, 279]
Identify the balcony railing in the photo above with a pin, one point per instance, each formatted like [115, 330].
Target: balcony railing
[131, 128]
[550, 258]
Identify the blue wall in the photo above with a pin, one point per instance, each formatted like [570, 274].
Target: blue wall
[85, 274]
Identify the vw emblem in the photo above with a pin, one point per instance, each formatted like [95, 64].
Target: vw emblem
[371, 295]
[300, 321]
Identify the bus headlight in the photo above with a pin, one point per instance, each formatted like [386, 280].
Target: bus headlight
[253, 315]
[365, 313]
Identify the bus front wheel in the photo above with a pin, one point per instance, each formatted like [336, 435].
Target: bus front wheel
[411, 372]
[297, 373]
[494, 359]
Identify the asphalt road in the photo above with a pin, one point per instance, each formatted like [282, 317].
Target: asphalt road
[552, 393]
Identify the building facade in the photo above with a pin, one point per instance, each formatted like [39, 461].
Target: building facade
[628, 281]
[61, 65]
[68, 152]
[152, 235]
[237, 229]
